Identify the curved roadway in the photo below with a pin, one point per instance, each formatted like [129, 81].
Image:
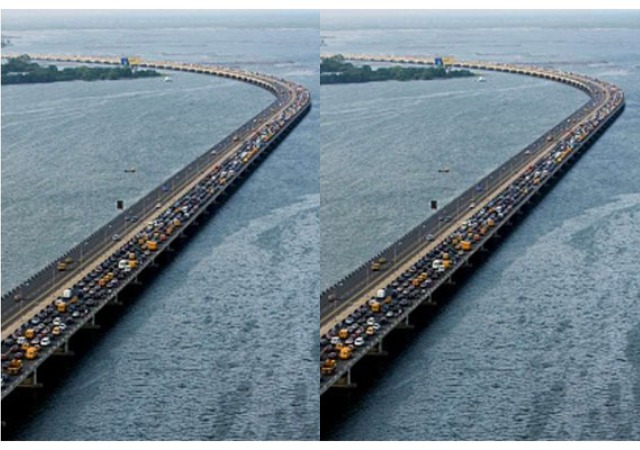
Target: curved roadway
[23, 302]
[356, 289]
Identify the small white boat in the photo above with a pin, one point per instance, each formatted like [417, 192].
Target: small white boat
[482, 79]
[167, 79]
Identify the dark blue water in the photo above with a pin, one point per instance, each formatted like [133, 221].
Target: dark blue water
[544, 341]
[200, 354]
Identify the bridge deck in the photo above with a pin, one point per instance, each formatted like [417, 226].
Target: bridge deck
[291, 104]
[354, 291]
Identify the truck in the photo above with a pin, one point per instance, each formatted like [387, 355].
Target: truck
[15, 367]
[328, 367]
[31, 353]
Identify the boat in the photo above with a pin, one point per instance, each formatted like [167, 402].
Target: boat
[130, 170]
[167, 79]
[443, 170]
[482, 79]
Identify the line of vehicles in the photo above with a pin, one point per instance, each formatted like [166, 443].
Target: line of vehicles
[348, 337]
[51, 324]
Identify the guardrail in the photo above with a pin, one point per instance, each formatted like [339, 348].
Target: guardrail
[344, 366]
[605, 105]
[29, 367]
[353, 282]
[288, 95]
[48, 277]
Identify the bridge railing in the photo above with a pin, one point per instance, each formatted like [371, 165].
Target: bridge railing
[359, 278]
[48, 276]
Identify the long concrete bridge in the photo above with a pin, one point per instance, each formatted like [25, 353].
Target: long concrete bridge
[55, 304]
[406, 277]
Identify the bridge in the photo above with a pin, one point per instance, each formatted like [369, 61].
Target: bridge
[363, 308]
[66, 295]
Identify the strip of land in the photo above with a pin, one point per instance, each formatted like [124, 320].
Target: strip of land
[334, 70]
[22, 70]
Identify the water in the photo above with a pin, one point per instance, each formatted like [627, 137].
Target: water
[200, 354]
[542, 342]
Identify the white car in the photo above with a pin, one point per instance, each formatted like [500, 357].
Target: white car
[45, 341]
[359, 342]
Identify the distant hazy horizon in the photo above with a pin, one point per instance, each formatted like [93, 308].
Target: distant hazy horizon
[452, 19]
[18, 19]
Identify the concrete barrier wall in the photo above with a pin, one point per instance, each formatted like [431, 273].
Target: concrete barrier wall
[355, 281]
[46, 277]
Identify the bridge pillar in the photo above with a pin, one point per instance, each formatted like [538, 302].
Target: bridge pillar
[345, 381]
[91, 325]
[429, 301]
[405, 325]
[377, 350]
[31, 381]
[64, 350]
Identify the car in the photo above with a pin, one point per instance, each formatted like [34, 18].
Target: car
[472, 205]
[115, 237]
[45, 341]
[359, 342]
[389, 314]
[371, 321]
[430, 237]
[349, 320]
[335, 340]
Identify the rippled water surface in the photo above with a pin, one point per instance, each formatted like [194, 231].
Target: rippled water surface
[199, 355]
[544, 341]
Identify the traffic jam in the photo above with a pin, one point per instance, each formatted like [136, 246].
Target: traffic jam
[78, 303]
[348, 338]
